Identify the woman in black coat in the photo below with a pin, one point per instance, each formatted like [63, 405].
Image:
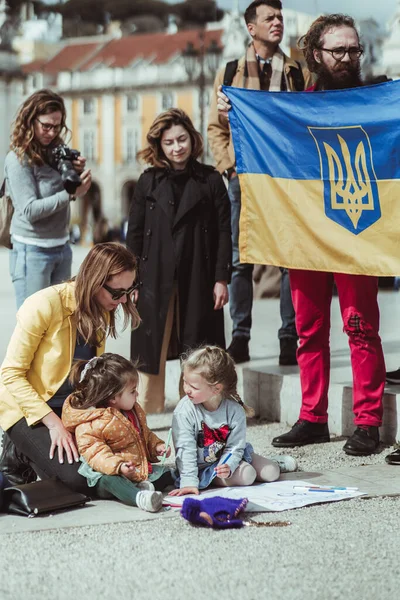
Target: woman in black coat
[179, 229]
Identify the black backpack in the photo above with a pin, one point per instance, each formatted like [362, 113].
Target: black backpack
[297, 75]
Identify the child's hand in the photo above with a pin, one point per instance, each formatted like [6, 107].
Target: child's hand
[184, 491]
[160, 449]
[222, 471]
[127, 469]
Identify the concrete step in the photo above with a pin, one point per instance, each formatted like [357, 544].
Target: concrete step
[275, 395]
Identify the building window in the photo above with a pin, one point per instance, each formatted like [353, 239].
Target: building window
[88, 106]
[132, 103]
[89, 145]
[167, 100]
[132, 145]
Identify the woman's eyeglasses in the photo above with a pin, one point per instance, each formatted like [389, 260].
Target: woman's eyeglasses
[339, 53]
[116, 294]
[47, 127]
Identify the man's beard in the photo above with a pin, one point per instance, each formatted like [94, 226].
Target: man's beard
[343, 76]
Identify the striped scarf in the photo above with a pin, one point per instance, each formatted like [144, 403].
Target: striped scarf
[251, 78]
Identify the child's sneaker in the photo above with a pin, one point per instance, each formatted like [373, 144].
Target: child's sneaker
[150, 501]
[146, 485]
[287, 464]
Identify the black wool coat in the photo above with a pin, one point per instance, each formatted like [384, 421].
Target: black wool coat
[192, 248]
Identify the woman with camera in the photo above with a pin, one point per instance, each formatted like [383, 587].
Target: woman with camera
[39, 178]
[179, 228]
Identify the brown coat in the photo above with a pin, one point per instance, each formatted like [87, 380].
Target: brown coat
[219, 135]
[106, 439]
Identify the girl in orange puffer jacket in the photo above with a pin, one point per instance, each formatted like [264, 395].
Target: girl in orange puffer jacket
[115, 443]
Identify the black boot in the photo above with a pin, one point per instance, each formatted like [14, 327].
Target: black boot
[364, 441]
[302, 433]
[14, 465]
[287, 356]
[239, 349]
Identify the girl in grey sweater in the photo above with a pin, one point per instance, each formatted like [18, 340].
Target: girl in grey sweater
[209, 429]
[41, 254]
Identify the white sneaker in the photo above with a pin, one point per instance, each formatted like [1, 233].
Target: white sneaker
[149, 501]
[287, 464]
[146, 485]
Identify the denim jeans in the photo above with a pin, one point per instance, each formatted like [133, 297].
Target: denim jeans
[33, 268]
[241, 287]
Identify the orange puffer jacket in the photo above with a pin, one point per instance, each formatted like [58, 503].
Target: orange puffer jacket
[106, 439]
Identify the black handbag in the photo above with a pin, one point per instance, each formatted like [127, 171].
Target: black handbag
[47, 495]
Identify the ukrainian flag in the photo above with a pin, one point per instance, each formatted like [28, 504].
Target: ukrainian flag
[320, 178]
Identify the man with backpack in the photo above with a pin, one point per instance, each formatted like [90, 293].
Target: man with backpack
[263, 67]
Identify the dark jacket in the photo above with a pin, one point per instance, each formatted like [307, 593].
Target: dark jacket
[193, 248]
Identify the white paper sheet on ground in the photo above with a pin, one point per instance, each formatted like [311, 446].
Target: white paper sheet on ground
[266, 497]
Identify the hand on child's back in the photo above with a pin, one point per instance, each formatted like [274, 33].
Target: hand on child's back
[184, 491]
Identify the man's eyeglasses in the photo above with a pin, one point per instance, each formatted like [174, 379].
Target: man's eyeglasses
[116, 294]
[47, 127]
[339, 53]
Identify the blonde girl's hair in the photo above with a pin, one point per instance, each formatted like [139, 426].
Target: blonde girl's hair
[23, 141]
[153, 154]
[105, 377]
[217, 367]
[100, 264]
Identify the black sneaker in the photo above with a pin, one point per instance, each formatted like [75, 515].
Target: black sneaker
[287, 356]
[364, 441]
[393, 458]
[239, 349]
[303, 433]
[393, 377]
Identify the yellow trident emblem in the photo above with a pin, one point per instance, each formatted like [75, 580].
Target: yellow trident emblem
[355, 191]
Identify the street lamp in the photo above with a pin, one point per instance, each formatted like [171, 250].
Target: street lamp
[200, 62]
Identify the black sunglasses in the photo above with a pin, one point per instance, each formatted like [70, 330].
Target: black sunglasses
[116, 294]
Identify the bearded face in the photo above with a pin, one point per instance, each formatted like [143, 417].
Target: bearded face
[334, 73]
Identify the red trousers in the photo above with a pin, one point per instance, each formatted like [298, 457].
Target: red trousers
[312, 295]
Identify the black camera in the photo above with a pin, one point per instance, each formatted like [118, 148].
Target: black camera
[62, 158]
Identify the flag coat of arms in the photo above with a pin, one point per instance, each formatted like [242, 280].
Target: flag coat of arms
[320, 178]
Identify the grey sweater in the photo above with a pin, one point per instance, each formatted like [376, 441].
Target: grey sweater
[41, 205]
[203, 437]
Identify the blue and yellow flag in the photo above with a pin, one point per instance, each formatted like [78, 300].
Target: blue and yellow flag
[320, 178]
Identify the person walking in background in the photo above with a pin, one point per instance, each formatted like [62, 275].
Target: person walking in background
[209, 429]
[111, 432]
[264, 67]
[41, 254]
[56, 326]
[179, 229]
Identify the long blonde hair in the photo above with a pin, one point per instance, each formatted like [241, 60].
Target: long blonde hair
[216, 367]
[101, 263]
[23, 140]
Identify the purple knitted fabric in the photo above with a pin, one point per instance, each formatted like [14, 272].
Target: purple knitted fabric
[219, 512]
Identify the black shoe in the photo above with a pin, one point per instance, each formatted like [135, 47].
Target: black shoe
[239, 349]
[14, 465]
[393, 458]
[364, 441]
[302, 433]
[393, 377]
[287, 356]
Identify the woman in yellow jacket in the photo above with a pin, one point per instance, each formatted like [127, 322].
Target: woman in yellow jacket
[56, 326]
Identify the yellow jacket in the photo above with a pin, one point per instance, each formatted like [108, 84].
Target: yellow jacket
[107, 439]
[39, 355]
[219, 135]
